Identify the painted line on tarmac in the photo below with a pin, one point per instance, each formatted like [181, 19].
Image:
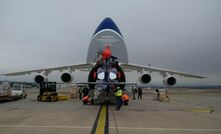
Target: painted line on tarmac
[167, 129]
[101, 123]
[121, 128]
[200, 110]
[39, 126]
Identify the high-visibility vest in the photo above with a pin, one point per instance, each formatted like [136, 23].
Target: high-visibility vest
[125, 97]
[118, 93]
[86, 98]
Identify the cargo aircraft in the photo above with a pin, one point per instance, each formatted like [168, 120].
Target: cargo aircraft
[107, 62]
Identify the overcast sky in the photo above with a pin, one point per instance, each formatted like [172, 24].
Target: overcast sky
[182, 35]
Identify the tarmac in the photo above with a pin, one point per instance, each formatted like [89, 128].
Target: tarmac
[187, 112]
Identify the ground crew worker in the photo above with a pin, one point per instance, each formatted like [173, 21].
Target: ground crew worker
[158, 94]
[86, 99]
[140, 93]
[134, 90]
[80, 93]
[166, 93]
[167, 97]
[118, 95]
[85, 91]
[125, 99]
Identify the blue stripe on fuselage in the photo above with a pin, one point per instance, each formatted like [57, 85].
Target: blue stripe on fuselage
[107, 23]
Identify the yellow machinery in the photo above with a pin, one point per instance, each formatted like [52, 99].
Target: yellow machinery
[48, 97]
[48, 92]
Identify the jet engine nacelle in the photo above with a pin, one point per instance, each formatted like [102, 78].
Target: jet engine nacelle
[40, 78]
[169, 81]
[145, 78]
[66, 77]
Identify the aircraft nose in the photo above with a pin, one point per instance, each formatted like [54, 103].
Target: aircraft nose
[107, 23]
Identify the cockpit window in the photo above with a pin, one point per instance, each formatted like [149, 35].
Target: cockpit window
[112, 76]
[100, 76]
[112, 73]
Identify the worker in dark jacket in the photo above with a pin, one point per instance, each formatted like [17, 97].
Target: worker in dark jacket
[85, 91]
[134, 91]
[158, 94]
[80, 93]
[140, 93]
[118, 95]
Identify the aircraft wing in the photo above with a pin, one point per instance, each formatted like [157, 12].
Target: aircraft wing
[46, 71]
[107, 83]
[164, 72]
